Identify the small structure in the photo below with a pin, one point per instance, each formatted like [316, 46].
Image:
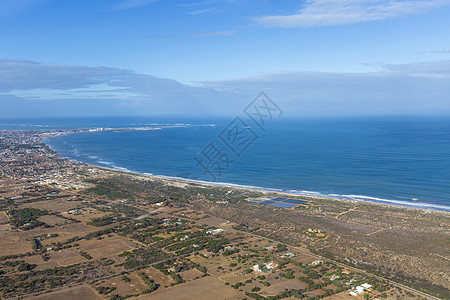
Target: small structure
[214, 231]
[256, 269]
[271, 265]
[265, 267]
[360, 289]
[366, 285]
[316, 263]
[334, 277]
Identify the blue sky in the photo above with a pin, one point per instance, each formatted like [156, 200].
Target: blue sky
[317, 57]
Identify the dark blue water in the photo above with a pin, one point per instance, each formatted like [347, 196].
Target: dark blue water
[403, 161]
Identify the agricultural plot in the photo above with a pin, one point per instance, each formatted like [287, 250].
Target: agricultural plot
[106, 247]
[57, 205]
[74, 293]
[201, 289]
[3, 217]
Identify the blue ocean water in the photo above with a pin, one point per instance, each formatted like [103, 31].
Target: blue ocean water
[403, 161]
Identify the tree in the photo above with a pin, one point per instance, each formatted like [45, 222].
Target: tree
[281, 248]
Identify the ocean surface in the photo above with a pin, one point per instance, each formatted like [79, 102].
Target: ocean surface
[403, 161]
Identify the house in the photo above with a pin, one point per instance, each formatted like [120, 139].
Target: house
[334, 277]
[214, 231]
[271, 265]
[269, 248]
[289, 254]
[360, 289]
[266, 267]
[316, 263]
[366, 285]
[256, 269]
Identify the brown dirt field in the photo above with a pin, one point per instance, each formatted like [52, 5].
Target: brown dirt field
[190, 274]
[280, 285]
[212, 264]
[57, 259]
[106, 247]
[213, 221]
[35, 259]
[86, 214]
[304, 259]
[3, 217]
[341, 296]
[55, 205]
[53, 220]
[66, 257]
[5, 229]
[75, 293]
[202, 289]
[235, 277]
[157, 276]
[135, 286]
[16, 243]
[19, 242]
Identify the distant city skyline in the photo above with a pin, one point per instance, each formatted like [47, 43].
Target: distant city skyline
[317, 57]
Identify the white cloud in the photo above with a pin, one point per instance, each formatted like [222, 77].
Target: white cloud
[318, 13]
[407, 89]
[129, 4]
[96, 91]
[194, 35]
[200, 11]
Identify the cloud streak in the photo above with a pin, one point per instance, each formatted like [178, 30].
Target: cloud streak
[21, 74]
[92, 92]
[193, 35]
[31, 89]
[406, 89]
[318, 13]
[130, 4]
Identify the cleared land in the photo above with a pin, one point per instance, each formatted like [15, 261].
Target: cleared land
[201, 289]
[75, 293]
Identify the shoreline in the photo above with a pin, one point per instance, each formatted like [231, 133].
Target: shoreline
[277, 192]
[296, 193]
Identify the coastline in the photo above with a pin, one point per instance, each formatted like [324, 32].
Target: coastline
[275, 192]
[281, 192]
[268, 191]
